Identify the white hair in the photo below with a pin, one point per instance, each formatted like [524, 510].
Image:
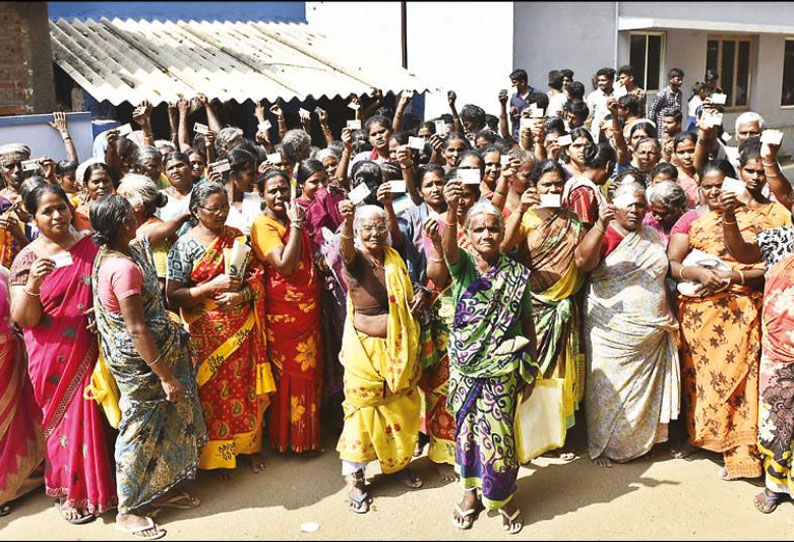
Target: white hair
[668, 193]
[138, 189]
[483, 207]
[161, 144]
[749, 117]
[630, 189]
[300, 141]
[365, 212]
[322, 154]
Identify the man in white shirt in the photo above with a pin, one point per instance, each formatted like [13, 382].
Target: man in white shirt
[597, 100]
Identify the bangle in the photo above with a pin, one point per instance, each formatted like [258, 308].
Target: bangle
[343, 236]
[450, 224]
[408, 166]
[67, 137]
[25, 289]
[773, 164]
[741, 276]
[728, 222]
[437, 260]
[296, 225]
[681, 273]
[156, 360]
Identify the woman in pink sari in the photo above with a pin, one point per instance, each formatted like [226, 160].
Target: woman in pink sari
[51, 300]
[21, 443]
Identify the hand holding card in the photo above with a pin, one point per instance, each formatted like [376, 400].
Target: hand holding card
[359, 194]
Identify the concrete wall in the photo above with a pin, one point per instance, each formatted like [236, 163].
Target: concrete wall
[26, 80]
[730, 12]
[575, 35]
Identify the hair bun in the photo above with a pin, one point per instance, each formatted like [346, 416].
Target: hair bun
[162, 199]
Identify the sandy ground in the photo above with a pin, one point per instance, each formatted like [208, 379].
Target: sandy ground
[649, 498]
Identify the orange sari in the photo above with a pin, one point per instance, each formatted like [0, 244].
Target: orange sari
[721, 347]
[233, 375]
[293, 339]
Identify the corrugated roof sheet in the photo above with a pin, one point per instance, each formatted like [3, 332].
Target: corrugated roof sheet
[128, 60]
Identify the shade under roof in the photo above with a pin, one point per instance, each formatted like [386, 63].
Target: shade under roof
[128, 60]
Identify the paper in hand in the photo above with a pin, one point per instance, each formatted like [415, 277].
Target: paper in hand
[30, 165]
[303, 113]
[220, 166]
[354, 124]
[524, 123]
[201, 128]
[359, 193]
[397, 187]
[536, 113]
[264, 126]
[734, 185]
[274, 158]
[417, 143]
[469, 176]
[125, 129]
[62, 259]
[550, 200]
[441, 127]
[354, 106]
[772, 137]
[564, 140]
[725, 137]
[719, 98]
[504, 160]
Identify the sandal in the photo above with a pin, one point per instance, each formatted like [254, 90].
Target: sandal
[78, 519]
[408, 478]
[769, 503]
[5, 510]
[465, 518]
[359, 502]
[150, 527]
[180, 501]
[512, 526]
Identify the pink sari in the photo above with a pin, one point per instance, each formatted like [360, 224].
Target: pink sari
[61, 356]
[21, 442]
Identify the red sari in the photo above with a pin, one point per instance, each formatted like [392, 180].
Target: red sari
[293, 340]
[21, 441]
[233, 376]
[61, 356]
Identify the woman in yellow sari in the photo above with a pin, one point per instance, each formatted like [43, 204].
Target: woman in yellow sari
[546, 238]
[225, 313]
[292, 318]
[720, 323]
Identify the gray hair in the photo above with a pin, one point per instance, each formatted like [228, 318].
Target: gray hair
[669, 194]
[747, 117]
[366, 212]
[145, 154]
[483, 207]
[322, 154]
[225, 138]
[138, 189]
[201, 194]
[630, 189]
[300, 141]
[164, 146]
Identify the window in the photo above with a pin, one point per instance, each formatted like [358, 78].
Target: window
[787, 97]
[730, 56]
[645, 56]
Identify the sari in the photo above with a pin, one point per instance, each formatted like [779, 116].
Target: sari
[776, 379]
[159, 441]
[547, 249]
[21, 440]
[382, 404]
[633, 380]
[233, 375]
[294, 344]
[10, 245]
[61, 356]
[487, 365]
[721, 347]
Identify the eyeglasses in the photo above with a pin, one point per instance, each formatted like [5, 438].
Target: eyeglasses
[374, 229]
[216, 210]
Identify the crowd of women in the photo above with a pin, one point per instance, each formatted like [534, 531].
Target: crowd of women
[469, 284]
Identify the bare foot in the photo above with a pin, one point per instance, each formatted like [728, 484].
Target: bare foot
[603, 462]
[224, 474]
[446, 473]
[464, 512]
[257, 463]
[683, 451]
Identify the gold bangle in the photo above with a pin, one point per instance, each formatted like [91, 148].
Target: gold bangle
[156, 360]
[741, 275]
[343, 236]
[25, 289]
[728, 222]
[681, 273]
[768, 165]
[450, 224]
[437, 260]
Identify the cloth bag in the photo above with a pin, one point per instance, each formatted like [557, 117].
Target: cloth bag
[540, 420]
[103, 390]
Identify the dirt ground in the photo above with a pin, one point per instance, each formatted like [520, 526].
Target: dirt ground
[649, 498]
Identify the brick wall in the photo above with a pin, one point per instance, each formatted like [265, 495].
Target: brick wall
[26, 79]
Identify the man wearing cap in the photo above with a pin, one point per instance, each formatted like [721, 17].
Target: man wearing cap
[11, 157]
[12, 222]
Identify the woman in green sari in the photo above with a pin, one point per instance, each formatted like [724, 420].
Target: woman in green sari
[492, 359]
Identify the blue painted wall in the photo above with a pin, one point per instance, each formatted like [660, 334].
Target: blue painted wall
[293, 12]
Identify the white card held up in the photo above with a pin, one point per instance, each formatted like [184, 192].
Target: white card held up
[441, 127]
[733, 185]
[264, 126]
[525, 123]
[408, 93]
[397, 187]
[220, 166]
[201, 128]
[30, 165]
[564, 140]
[125, 129]
[274, 158]
[354, 124]
[718, 98]
[354, 106]
[359, 193]
[725, 137]
[625, 201]
[62, 259]
[536, 113]
[551, 200]
[469, 176]
[417, 143]
[303, 113]
[504, 160]
[772, 137]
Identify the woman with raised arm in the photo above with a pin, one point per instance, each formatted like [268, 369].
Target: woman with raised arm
[50, 301]
[632, 382]
[720, 323]
[225, 313]
[95, 177]
[492, 359]
[380, 354]
[292, 317]
[162, 426]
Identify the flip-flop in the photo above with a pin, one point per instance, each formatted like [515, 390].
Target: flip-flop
[770, 501]
[510, 527]
[405, 477]
[79, 520]
[5, 510]
[464, 515]
[138, 531]
[359, 502]
[180, 501]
